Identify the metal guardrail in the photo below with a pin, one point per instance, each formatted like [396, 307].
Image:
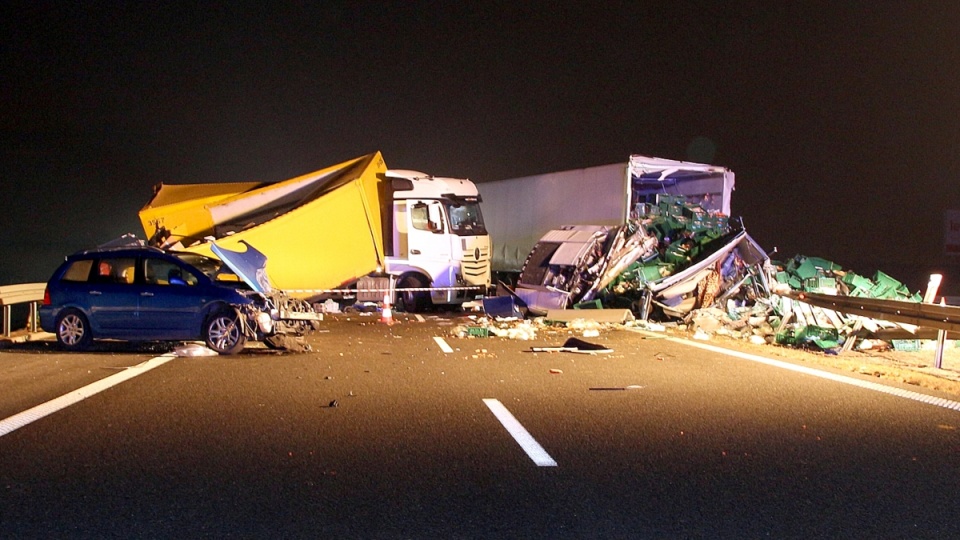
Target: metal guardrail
[21, 294]
[916, 313]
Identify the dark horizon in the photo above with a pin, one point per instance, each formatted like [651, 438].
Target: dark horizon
[841, 123]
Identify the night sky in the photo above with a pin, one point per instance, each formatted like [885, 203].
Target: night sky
[841, 123]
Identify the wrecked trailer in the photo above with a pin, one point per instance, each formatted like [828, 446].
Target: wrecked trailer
[658, 259]
[336, 209]
[623, 267]
[520, 211]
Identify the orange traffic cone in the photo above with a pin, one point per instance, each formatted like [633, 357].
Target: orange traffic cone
[386, 316]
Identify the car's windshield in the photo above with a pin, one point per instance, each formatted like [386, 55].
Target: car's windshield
[212, 268]
[465, 218]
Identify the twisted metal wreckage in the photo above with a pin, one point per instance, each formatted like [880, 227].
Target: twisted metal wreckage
[676, 262]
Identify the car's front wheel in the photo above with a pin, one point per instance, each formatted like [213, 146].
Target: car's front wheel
[413, 301]
[223, 334]
[73, 330]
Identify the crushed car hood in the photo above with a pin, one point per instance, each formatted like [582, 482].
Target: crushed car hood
[250, 265]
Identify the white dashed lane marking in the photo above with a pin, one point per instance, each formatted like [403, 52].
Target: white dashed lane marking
[29, 416]
[443, 344]
[520, 434]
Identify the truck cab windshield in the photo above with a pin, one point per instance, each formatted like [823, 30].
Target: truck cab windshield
[465, 218]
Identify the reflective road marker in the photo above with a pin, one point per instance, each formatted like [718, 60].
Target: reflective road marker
[443, 344]
[28, 416]
[520, 434]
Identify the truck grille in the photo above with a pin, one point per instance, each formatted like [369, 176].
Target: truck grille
[476, 271]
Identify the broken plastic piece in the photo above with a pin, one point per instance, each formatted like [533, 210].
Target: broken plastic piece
[575, 345]
[194, 349]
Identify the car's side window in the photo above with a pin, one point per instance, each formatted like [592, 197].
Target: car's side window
[161, 272]
[79, 271]
[115, 270]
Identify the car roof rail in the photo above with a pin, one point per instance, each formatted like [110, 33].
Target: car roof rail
[127, 240]
[123, 243]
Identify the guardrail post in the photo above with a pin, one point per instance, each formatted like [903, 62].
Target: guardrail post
[941, 341]
[34, 315]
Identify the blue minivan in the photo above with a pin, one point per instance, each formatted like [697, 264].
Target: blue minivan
[141, 293]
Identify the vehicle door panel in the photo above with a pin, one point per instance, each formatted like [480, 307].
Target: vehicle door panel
[112, 298]
[171, 301]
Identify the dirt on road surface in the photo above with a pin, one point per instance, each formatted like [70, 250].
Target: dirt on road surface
[913, 368]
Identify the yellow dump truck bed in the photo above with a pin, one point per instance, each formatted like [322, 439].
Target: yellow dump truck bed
[318, 231]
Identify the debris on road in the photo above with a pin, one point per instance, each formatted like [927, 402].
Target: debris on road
[194, 349]
[575, 345]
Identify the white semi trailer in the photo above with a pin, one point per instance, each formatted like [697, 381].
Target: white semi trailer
[519, 211]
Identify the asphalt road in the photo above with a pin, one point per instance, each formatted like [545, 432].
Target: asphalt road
[656, 439]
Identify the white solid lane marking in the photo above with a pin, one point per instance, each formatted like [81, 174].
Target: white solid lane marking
[28, 416]
[443, 344]
[520, 434]
[419, 317]
[869, 385]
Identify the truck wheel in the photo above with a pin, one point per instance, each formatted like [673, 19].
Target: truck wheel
[73, 330]
[413, 301]
[223, 334]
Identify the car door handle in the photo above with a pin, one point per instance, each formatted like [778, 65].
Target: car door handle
[146, 294]
[414, 251]
[98, 293]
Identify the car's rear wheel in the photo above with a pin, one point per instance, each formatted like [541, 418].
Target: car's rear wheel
[223, 333]
[73, 330]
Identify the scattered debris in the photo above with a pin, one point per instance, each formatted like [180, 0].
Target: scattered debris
[329, 306]
[287, 342]
[575, 345]
[194, 349]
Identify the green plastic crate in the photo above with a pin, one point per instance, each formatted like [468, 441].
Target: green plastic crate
[906, 345]
[856, 281]
[881, 278]
[807, 270]
[815, 284]
[651, 272]
[827, 266]
[821, 336]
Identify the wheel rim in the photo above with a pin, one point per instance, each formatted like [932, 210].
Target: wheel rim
[223, 333]
[71, 330]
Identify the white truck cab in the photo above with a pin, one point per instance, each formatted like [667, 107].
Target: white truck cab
[438, 239]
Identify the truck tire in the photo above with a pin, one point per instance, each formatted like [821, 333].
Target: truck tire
[413, 301]
[222, 332]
